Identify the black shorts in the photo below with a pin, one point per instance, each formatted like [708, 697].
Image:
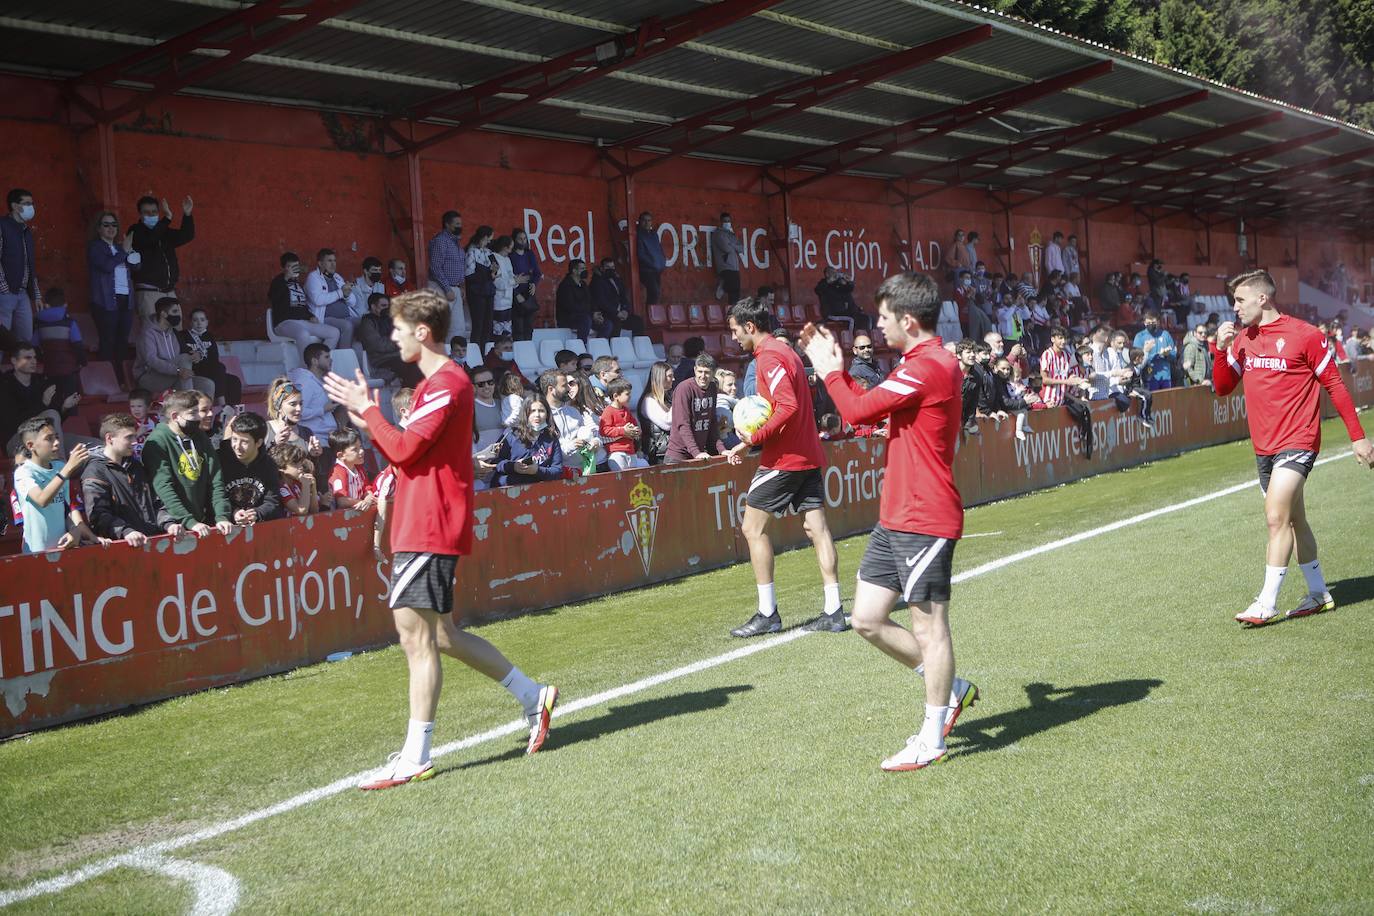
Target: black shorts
[423, 581]
[915, 566]
[1298, 459]
[778, 491]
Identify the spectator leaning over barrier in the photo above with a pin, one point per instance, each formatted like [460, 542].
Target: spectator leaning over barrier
[291, 314]
[725, 390]
[480, 285]
[652, 261]
[489, 414]
[1056, 369]
[503, 281]
[525, 263]
[157, 242]
[159, 363]
[573, 301]
[41, 480]
[348, 482]
[529, 450]
[966, 351]
[448, 269]
[619, 430]
[611, 300]
[19, 293]
[317, 413]
[330, 296]
[696, 432]
[655, 413]
[1099, 382]
[578, 439]
[726, 249]
[25, 393]
[185, 469]
[1158, 347]
[1196, 361]
[284, 406]
[1010, 397]
[300, 497]
[835, 293]
[251, 479]
[108, 260]
[119, 500]
[198, 343]
[369, 282]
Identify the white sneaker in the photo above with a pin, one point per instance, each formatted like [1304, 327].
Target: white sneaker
[397, 772]
[1258, 614]
[1313, 604]
[915, 756]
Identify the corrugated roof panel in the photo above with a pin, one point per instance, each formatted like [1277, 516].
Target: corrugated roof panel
[765, 37]
[151, 18]
[482, 25]
[331, 89]
[942, 78]
[1012, 54]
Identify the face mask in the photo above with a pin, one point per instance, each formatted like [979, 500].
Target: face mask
[505, 355]
[26, 212]
[174, 320]
[374, 276]
[726, 225]
[539, 427]
[457, 232]
[399, 278]
[150, 222]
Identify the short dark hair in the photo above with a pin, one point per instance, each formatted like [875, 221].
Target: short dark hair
[112, 423]
[448, 216]
[394, 261]
[324, 253]
[312, 352]
[502, 241]
[15, 195]
[748, 310]
[375, 298]
[765, 291]
[30, 427]
[706, 361]
[573, 262]
[1150, 312]
[618, 386]
[285, 454]
[910, 293]
[141, 394]
[693, 346]
[180, 400]
[288, 257]
[371, 262]
[548, 381]
[1058, 330]
[562, 356]
[249, 424]
[347, 437]
[457, 341]
[22, 346]
[164, 305]
[145, 199]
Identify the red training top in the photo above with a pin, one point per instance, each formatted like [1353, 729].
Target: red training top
[613, 422]
[433, 506]
[789, 438]
[1285, 363]
[923, 396]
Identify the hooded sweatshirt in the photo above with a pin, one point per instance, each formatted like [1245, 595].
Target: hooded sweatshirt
[256, 485]
[119, 498]
[187, 476]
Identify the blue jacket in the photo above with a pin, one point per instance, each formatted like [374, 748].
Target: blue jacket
[101, 264]
[650, 250]
[1157, 360]
[546, 453]
[17, 270]
[749, 385]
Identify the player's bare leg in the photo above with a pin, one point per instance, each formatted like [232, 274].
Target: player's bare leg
[872, 619]
[832, 613]
[536, 699]
[755, 531]
[1281, 499]
[418, 629]
[1318, 597]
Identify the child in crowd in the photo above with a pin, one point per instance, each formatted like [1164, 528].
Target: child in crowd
[347, 482]
[1011, 396]
[251, 479]
[529, 451]
[57, 335]
[385, 484]
[140, 408]
[618, 428]
[41, 485]
[832, 428]
[184, 467]
[299, 493]
[512, 391]
[1137, 387]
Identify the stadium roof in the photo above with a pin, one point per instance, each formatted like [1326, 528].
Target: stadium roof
[930, 93]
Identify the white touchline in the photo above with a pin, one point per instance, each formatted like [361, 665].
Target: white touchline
[138, 857]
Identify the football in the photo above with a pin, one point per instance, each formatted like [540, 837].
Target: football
[751, 413]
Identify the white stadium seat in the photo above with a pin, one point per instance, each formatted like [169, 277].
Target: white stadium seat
[346, 364]
[527, 358]
[598, 346]
[576, 345]
[548, 348]
[542, 334]
[623, 349]
[644, 349]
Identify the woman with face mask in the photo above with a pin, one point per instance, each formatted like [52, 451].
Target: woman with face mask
[481, 287]
[161, 364]
[108, 259]
[529, 451]
[198, 343]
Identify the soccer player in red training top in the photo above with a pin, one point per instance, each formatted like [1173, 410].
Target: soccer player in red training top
[431, 528]
[920, 514]
[789, 474]
[1284, 362]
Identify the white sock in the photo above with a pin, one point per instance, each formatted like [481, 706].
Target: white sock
[1273, 581]
[522, 688]
[832, 597]
[1020, 422]
[768, 604]
[418, 738]
[933, 728]
[1312, 572]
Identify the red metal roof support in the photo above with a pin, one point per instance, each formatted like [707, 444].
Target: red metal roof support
[1044, 144]
[478, 105]
[894, 139]
[250, 21]
[414, 176]
[742, 115]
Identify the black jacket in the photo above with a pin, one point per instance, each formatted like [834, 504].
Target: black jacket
[119, 499]
[609, 295]
[251, 486]
[158, 249]
[574, 302]
[283, 308]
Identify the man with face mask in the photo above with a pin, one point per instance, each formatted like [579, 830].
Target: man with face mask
[19, 295]
[160, 363]
[726, 248]
[1160, 352]
[157, 242]
[611, 300]
[397, 278]
[525, 263]
[368, 282]
[652, 261]
[448, 268]
[573, 308]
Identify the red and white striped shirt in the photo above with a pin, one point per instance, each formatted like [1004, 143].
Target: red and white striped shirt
[347, 481]
[1055, 365]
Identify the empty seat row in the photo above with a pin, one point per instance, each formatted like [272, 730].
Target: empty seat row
[714, 316]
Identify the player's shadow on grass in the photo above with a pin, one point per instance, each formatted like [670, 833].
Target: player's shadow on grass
[1352, 591]
[1049, 708]
[619, 718]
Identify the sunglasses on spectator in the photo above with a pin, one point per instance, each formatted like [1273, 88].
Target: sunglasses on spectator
[863, 346]
[108, 223]
[485, 381]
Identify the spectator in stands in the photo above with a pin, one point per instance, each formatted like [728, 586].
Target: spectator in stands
[1099, 382]
[512, 393]
[956, 257]
[1071, 288]
[300, 496]
[1026, 287]
[500, 359]
[565, 361]
[317, 414]
[1012, 316]
[1038, 326]
[655, 413]
[448, 269]
[696, 434]
[368, 282]
[726, 249]
[652, 262]
[160, 363]
[348, 482]
[1196, 361]
[1054, 253]
[619, 430]
[19, 293]
[1109, 296]
[573, 305]
[59, 339]
[119, 500]
[611, 300]
[1057, 369]
[1124, 376]
[996, 347]
[1010, 397]
[41, 487]
[1073, 264]
[140, 408]
[863, 367]
[185, 468]
[284, 407]
[198, 343]
[583, 398]
[1129, 312]
[480, 285]
[578, 439]
[397, 278]
[252, 482]
[835, 292]
[1159, 349]
[1354, 346]
[605, 369]
[488, 422]
[504, 281]
[210, 424]
[330, 296]
[525, 263]
[1198, 315]
[725, 389]
[383, 355]
[529, 450]
[972, 246]
[685, 367]
[291, 314]
[1157, 278]
[156, 274]
[108, 263]
[966, 351]
[765, 297]
[458, 349]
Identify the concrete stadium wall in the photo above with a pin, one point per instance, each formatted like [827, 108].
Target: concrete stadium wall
[92, 630]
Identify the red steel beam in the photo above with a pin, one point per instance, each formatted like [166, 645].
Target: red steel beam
[237, 35]
[909, 134]
[736, 117]
[1064, 179]
[478, 105]
[1034, 147]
